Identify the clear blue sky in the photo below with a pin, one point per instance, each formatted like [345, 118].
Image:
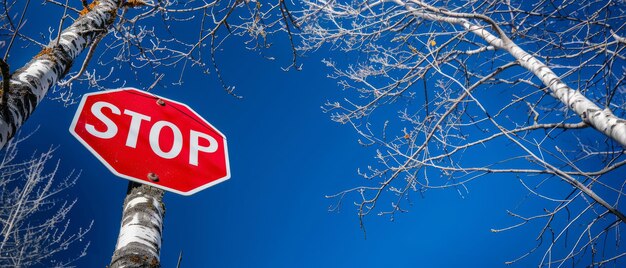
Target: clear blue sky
[285, 155]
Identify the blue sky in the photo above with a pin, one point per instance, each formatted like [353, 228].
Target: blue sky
[285, 156]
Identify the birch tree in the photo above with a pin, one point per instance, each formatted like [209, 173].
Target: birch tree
[34, 224]
[442, 88]
[139, 243]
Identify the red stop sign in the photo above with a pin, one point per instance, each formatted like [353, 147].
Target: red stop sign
[152, 140]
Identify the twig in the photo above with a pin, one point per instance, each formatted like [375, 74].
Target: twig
[155, 82]
[61, 23]
[62, 5]
[19, 25]
[92, 48]
[287, 17]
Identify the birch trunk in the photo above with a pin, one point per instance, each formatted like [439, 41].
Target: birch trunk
[602, 120]
[29, 84]
[139, 241]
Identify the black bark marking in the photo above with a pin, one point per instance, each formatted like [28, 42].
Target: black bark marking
[136, 254]
[21, 98]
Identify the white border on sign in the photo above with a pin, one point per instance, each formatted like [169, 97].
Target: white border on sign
[99, 157]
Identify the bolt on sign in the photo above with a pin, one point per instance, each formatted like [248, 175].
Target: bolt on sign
[152, 140]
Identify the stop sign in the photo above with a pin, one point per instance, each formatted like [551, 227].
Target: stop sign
[152, 140]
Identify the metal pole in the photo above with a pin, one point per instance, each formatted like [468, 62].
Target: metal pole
[139, 241]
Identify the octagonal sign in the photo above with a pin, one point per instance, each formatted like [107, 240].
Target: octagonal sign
[152, 140]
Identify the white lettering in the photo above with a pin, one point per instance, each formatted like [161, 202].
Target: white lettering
[194, 146]
[195, 137]
[135, 125]
[96, 110]
[177, 145]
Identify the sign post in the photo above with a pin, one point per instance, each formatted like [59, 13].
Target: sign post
[158, 144]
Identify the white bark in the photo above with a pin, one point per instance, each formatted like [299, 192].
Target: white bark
[29, 84]
[601, 119]
[139, 241]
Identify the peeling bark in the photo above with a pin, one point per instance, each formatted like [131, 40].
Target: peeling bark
[29, 84]
[139, 241]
